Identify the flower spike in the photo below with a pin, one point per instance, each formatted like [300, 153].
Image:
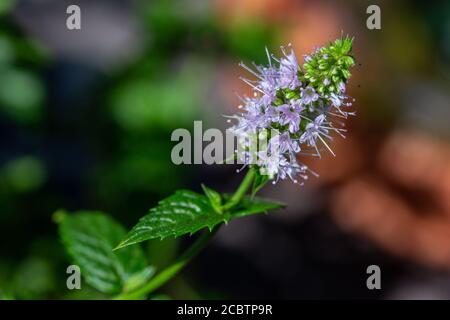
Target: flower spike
[301, 106]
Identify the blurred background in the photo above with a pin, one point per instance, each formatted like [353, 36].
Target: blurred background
[86, 117]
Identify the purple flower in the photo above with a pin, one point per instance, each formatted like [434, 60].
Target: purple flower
[269, 78]
[289, 71]
[244, 125]
[336, 100]
[297, 105]
[267, 83]
[253, 105]
[263, 113]
[278, 167]
[308, 95]
[284, 143]
[289, 117]
[269, 163]
[313, 131]
[272, 114]
[289, 169]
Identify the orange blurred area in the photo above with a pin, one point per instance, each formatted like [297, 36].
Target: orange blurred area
[403, 205]
[274, 11]
[385, 183]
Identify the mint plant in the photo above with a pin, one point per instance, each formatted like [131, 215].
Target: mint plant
[301, 105]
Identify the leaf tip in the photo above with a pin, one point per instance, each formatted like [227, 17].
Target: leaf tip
[59, 216]
[282, 205]
[121, 245]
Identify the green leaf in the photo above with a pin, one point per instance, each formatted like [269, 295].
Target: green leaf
[89, 238]
[214, 198]
[6, 296]
[137, 280]
[259, 182]
[186, 212]
[253, 205]
[181, 213]
[347, 44]
[6, 6]
[160, 297]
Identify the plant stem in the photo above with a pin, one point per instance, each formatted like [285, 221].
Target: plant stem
[193, 250]
[240, 192]
[172, 270]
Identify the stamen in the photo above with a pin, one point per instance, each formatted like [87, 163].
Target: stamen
[251, 85]
[326, 145]
[268, 57]
[242, 65]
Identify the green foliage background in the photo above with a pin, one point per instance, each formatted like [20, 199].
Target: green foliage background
[122, 164]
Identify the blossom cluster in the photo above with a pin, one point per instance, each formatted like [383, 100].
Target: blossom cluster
[297, 107]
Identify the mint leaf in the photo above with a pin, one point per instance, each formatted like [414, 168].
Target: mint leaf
[160, 297]
[214, 198]
[186, 212]
[254, 205]
[259, 182]
[137, 280]
[181, 213]
[6, 296]
[89, 238]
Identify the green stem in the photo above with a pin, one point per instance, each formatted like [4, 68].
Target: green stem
[240, 192]
[193, 250]
[172, 270]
